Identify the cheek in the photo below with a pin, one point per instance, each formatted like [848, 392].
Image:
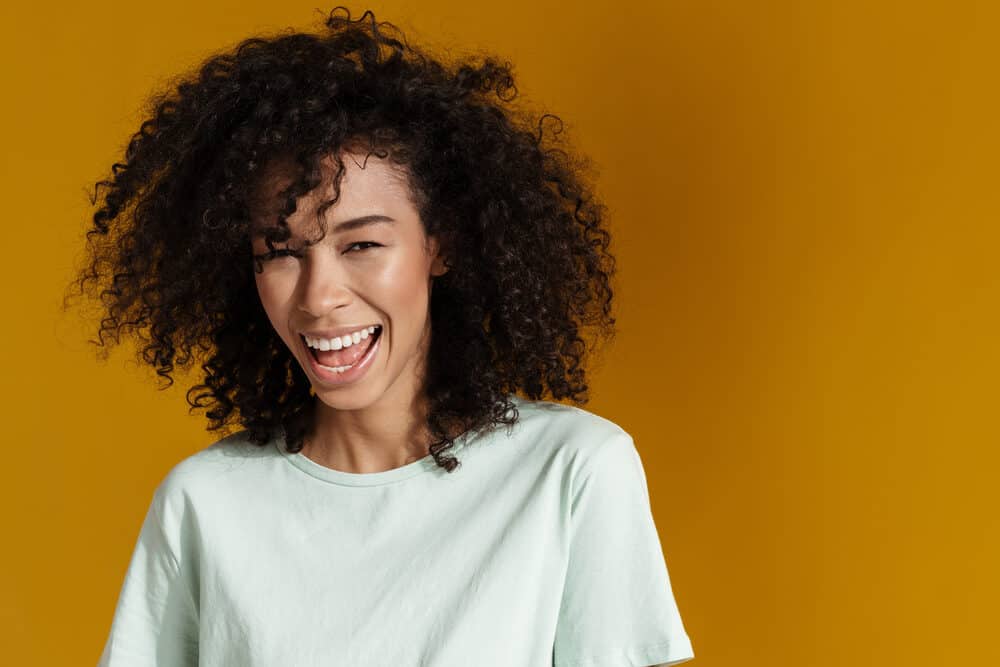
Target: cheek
[273, 295]
[402, 284]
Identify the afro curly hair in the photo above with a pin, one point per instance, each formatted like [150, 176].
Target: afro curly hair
[170, 258]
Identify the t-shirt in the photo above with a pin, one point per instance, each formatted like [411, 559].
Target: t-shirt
[539, 550]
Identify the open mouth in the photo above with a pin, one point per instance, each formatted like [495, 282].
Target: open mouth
[346, 357]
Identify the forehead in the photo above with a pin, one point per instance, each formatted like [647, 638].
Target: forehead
[369, 187]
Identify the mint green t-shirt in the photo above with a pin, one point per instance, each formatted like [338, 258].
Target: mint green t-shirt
[539, 550]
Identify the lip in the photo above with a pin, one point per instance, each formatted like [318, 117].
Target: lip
[347, 377]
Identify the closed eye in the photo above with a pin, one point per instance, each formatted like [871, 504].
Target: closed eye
[278, 252]
[287, 252]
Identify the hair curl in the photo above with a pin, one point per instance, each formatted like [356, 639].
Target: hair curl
[170, 257]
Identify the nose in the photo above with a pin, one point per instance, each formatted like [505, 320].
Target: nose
[323, 286]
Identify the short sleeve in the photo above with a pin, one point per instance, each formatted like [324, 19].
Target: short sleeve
[618, 609]
[155, 620]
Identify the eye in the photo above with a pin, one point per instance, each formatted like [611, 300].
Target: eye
[278, 252]
[370, 244]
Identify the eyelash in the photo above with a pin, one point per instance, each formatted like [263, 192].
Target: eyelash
[371, 244]
[285, 252]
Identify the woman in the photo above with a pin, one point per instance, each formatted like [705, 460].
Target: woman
[373, 252]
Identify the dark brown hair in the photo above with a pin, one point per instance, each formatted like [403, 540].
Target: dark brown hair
[529, 266]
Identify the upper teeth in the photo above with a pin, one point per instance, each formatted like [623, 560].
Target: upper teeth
[343, 341]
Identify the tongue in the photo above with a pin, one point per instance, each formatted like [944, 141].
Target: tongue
[344, 356]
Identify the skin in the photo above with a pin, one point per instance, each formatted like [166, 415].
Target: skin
[377, 422]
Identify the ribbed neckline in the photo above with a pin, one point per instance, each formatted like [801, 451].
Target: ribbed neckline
[343, 478]
[319, 471]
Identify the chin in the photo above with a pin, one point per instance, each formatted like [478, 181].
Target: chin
[346, 398]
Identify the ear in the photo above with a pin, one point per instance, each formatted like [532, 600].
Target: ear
[439, 265]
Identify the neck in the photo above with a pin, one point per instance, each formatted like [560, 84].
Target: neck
[376, 438]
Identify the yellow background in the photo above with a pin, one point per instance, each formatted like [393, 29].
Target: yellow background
[804, 200]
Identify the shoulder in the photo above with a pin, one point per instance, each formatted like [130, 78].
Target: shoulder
[579, 434]
[592, 456]
[207, 472]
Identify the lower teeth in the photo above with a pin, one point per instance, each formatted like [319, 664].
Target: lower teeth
[336, 369]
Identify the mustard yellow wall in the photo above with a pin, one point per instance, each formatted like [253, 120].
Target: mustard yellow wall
[806, 215]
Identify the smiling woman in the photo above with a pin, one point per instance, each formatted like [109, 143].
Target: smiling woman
[383, 288]
[382, 260]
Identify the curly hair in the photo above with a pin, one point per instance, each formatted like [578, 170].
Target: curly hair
[170, 260]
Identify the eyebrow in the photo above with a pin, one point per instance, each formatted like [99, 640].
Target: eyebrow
[348, 225]
[357, 223]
